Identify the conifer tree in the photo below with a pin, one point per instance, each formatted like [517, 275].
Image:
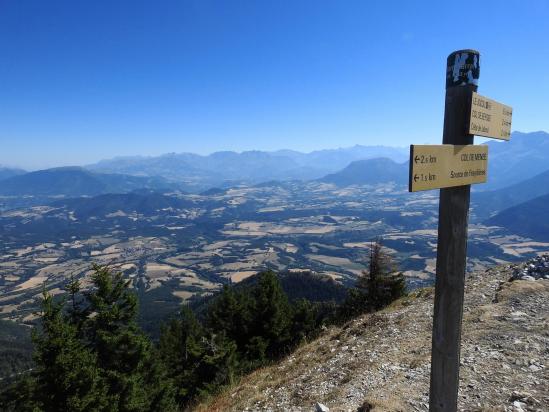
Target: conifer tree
[303, 322]
[382, 283]
[90, 355]
[124, 354]
[66, 376]
[376, 287]
[355, 304]
[200, 360]
[218, 362]
[256, 318]
[20, 396]
[272, 314]
[231, 313]
[181, 350]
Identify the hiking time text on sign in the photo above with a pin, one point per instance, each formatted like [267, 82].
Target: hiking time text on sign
[438, 166]
[490, 118]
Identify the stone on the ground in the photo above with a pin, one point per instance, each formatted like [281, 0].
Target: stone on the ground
[319, 407]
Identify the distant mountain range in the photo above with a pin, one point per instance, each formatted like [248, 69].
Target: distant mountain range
[523, 156]
[372, 171]
[228, 168]
[518, 170]
[7, 172]
[528, 219]
[521, 159]
[489, 203]
[76, 181]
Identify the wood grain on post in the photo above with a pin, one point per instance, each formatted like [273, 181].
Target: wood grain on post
[462, 73]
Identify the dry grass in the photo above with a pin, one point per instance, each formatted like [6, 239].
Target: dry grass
[382, 405]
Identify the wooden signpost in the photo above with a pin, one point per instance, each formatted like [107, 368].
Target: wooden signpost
[490, 118]
[453, 167]
[438, 166]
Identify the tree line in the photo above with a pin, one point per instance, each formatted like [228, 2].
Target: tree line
[91, 355]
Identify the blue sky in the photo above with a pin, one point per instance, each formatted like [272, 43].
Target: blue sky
[85, 80]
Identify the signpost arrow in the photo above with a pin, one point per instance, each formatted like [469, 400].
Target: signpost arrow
[447, 166]
[489, 118]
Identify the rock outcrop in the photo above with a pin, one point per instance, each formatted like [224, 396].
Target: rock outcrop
[537, 268]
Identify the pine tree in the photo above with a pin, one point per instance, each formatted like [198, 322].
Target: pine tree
[181, 351]
[218, 363]
[66, 377]
[382, 281]
[271, 314]
[354, 304]
[375, 288]
[392, 286]
[199, 360]
[92, 356]
[303, 323]
[124, 354]
[231, 314]
[20, 396]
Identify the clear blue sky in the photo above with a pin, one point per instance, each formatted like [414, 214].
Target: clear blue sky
[85, 80]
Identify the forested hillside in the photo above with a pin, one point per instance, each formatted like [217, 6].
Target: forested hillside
[90, 353]
[15, 349]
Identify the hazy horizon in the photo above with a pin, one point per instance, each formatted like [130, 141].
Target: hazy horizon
[68, 164]
[138, 155]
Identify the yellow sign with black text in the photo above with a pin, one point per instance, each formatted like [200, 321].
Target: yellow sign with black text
[490, 118]
[439, 166]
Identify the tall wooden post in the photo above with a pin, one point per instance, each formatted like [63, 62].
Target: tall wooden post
[462, 75]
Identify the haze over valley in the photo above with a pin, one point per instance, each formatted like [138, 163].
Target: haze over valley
[176, 245]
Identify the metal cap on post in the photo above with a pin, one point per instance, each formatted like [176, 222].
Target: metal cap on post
[462, 74]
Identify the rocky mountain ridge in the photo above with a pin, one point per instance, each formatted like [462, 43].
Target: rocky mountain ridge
[381, 361]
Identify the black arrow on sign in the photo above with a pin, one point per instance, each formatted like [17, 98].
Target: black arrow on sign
[416, 159]
[416, 178]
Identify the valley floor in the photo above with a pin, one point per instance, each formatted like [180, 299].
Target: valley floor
[383, 359]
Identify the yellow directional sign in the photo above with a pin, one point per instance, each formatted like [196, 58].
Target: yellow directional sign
[490, 118]
[438, 166]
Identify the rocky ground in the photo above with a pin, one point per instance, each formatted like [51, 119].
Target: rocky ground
[381, 361]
